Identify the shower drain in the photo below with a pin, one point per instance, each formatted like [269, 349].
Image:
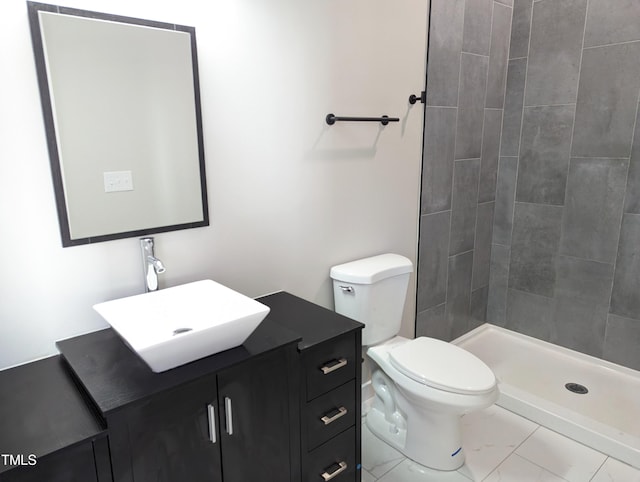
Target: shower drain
[576, 388]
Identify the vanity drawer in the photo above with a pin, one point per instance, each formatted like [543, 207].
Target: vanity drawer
[330, 414]
[330, 365]
[337, 456]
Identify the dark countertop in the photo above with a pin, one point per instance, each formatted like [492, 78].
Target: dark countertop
[41, 410]
[114, 376]
[312, 322]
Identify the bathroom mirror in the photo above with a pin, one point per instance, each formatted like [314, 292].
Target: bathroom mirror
[121, 106]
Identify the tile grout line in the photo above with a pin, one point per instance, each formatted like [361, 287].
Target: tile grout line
[513, 452]
[391, 468]
[436, 212]
[613, 44]
[495, 193]
[515, 187]
[549, 105]
[484, 121]
[623, 214]
[524, 98]
[575, 113]
[600, 467]
[615, 261]
[539, 204]
[606, 457]
[542, 467]
[453, 172]
[472, 53]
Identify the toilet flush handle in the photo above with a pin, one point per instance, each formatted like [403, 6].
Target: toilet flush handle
[346, 289]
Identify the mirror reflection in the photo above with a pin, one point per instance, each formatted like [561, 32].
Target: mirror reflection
[121, 106]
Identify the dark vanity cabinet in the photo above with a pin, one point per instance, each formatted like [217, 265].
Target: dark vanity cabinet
[211, 428]
[227, 417]
[73, 464]
[330, 387]
[283, 407]
[167, 436]
[47, 431]
[331, 411]
[257, 413]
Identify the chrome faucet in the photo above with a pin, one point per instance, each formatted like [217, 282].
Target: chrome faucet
[151, 266]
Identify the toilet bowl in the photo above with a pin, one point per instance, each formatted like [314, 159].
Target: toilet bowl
[423, 386]
[422, 389]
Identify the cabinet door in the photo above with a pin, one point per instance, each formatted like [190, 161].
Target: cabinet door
[255, 419]
[74, 464]
[170, 437]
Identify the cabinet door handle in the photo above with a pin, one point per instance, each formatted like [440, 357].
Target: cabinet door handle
[211, 410]
[333, 365]
[342, 466]
[229, 415]
[342, 411]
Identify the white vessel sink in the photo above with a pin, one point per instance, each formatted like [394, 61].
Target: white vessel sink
[174, 326]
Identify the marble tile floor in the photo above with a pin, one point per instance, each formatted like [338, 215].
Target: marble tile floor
[500, 446]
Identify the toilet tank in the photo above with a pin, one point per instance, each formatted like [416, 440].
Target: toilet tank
[373, 291]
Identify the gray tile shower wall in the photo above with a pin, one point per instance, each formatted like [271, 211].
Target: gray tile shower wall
[498, 55]
[466, 84]
[490, 154]
[445, 37]
[437, 172]
[513, 103]
[565, 255]
[607, 100]
[520, 29]
[471, 96]
[464, 205]
[593, 208]
[545, 146]
[555, 45]
[534, 248]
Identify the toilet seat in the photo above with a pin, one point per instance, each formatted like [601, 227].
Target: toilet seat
[443, 366]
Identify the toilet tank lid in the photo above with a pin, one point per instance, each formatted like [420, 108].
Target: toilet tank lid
[373, 269]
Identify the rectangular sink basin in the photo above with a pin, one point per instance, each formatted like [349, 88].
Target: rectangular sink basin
[174, 326]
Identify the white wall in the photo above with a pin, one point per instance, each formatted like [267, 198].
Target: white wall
[289, 196]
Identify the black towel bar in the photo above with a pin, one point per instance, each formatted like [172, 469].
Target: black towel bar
[384, 120]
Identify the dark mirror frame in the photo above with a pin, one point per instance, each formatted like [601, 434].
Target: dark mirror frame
[54, 156]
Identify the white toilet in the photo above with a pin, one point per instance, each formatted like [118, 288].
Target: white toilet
[422, 386]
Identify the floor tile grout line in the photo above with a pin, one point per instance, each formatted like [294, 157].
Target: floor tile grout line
[394, 466]
[513, 452]
[568, 438]
[546, 469]
[599, 468]
[402, 459]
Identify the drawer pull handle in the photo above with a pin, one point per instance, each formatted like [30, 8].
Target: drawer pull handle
[341, 413]
[333, 365]
[211, 410]
[342, 466]
[229, 413]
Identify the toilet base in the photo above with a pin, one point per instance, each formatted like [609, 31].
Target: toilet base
[433, 441]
